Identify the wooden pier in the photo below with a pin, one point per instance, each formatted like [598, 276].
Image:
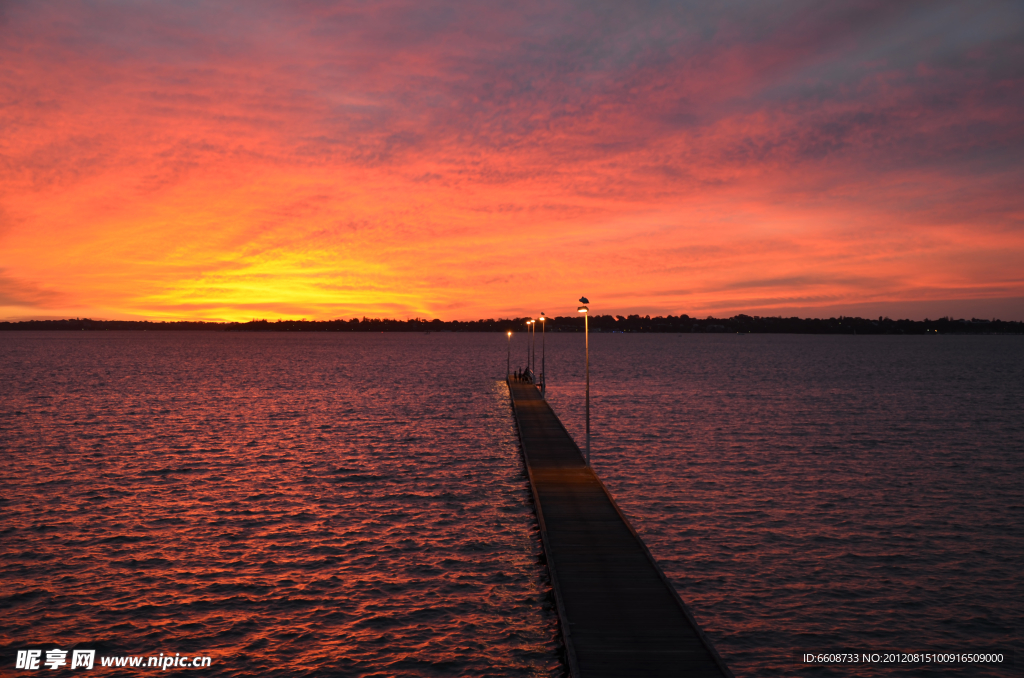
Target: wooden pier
[619, 614]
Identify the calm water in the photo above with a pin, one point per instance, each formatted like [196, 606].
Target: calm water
[356, 504]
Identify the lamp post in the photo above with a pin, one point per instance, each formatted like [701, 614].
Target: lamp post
[528, 323]
[543, 356]
[508, 358]
[533, 364]
[586, 338]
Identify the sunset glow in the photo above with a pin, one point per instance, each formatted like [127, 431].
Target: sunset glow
[230, 161]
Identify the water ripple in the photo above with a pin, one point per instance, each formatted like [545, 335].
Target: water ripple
[287, 505]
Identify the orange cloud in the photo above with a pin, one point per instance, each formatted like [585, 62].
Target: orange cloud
[463, 161]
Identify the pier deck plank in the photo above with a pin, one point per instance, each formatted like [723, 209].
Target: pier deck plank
[620, 616]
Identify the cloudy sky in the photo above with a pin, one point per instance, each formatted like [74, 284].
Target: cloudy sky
[460, 160]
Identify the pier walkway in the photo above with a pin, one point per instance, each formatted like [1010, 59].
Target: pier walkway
[619, 614]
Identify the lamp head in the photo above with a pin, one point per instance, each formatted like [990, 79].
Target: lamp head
[583, 309]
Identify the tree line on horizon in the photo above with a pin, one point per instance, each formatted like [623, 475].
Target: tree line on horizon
[598, 323]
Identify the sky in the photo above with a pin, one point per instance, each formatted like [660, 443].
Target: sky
[228, 160]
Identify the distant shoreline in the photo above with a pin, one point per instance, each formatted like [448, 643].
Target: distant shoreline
[742, 324]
